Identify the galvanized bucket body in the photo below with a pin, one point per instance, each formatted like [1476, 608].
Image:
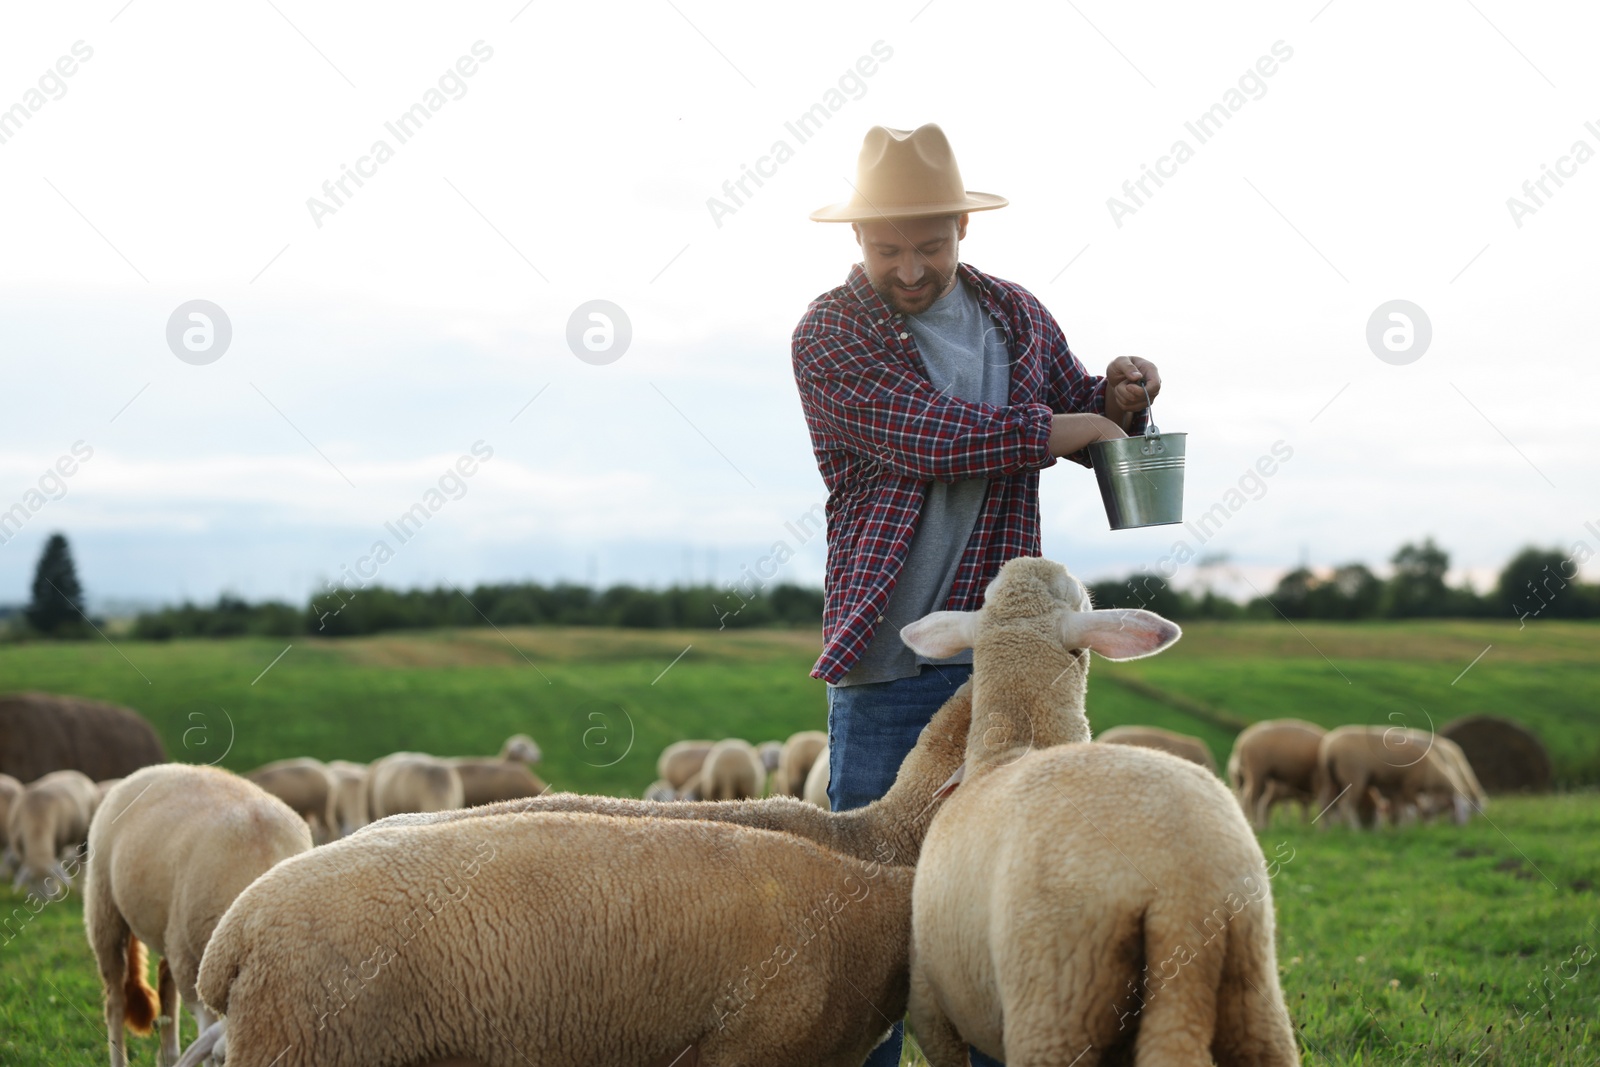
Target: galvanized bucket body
[1141, 479]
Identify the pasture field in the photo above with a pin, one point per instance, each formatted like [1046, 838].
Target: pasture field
[1417, 945]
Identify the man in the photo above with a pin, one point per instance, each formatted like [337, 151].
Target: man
[934, 394]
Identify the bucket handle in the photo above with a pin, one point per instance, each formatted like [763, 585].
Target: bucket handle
[1149, 406]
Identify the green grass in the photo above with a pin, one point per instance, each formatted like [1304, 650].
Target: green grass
[1409, 946]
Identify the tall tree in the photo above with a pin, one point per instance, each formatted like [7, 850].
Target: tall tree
[57, 606]
[1417, 588]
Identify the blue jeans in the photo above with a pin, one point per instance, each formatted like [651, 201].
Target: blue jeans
[871, 730]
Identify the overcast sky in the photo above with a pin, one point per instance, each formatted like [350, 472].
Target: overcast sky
[377, 337]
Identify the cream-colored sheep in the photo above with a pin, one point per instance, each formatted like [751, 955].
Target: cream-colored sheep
[680, 762]
[49, 821]
[1457, 759]
[173, 845]
[1181, 745]
[1273, 761]
[568, 938]
[1057, 867]
[412, 781]
[485, 780]
[816, 788]
[1403, 765]
[10, 791]
[308, 787]
[660, 790]
[794, 762]
[732, 771]
[349, 795]
[897, 820]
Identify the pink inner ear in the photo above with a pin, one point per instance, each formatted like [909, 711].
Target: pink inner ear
[1120, 633]
[941, 634]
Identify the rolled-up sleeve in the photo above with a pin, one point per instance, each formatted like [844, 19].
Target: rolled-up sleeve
[1072, 389]
[877, 408]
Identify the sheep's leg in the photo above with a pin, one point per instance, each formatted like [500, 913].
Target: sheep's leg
[171, 1018]
[933, 1031]
[1253, 1026]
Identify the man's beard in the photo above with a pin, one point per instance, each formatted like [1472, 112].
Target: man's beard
[937, 284]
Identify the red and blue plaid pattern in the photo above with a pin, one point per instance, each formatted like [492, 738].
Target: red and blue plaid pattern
[881, 432]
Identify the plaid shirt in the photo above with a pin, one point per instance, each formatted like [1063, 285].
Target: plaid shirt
[881, 432]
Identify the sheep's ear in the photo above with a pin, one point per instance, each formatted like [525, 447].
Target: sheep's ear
[1119, 633]
[944, 633]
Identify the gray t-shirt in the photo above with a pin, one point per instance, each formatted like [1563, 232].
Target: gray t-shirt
[967, 357]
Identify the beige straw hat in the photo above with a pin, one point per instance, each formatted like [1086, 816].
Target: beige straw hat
[907, 174]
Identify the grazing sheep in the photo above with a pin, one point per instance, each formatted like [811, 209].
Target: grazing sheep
[308, 787]
[349, 795]
[1403, 765]
[173, 845]
[485, 780]
[1181, 745]
[816, 788]
[1062, 881]
[660, 790]
[50, 818]
[1457, 758]
[1273, 761]
[657, 942]
[680, 762]
[10, 791]
[771, 752]
[732, 771]
[412, 781]
[794, 763]
[898, 820]
[44, 732]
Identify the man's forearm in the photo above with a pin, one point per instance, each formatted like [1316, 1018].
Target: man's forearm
[1069, 433]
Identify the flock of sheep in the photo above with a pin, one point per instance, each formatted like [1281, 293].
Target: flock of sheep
[1044, 900]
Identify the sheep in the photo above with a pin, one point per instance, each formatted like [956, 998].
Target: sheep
[1401, 764]
[308, 787]
[414, 944]
[412, 781]
[10, 792]
[173, 845]
[732, 771]
[50, 817]
[350, 795]
[679, 763]
[100, 790]
[1457, 758]
[899, 819]
[794, 762]
[502, 777]
[816, 788]
[1181, 745]
[1058, 867]
[1273, 761]
[44, 732]
[771, 752]
[660, 790]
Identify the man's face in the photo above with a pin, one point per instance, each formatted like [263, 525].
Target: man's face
[911, 262]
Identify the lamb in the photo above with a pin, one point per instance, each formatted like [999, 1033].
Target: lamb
[349, 795]
[412, 781]
[503, 777]
[411, 944]
[1403, 765]
[173, 845]
[49, 818]
[794, 762]
[732, 771]
[308, 787]
[10, 792]
[1181, 745]
[816, 788]
[897, 821]
[680, 762]
[1273, 761]
[1058, 868]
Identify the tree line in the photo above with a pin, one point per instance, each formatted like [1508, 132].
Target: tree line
[1536, 584]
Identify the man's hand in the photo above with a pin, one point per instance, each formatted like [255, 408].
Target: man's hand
[1124, 395]
[1068, 433]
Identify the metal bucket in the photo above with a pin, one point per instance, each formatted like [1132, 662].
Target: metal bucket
[1141, 478]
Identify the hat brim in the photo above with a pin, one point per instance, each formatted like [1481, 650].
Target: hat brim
[854, 211]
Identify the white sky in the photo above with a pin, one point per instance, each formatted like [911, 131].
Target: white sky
[427, 311]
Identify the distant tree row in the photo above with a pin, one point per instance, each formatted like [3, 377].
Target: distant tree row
[1537, 584]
